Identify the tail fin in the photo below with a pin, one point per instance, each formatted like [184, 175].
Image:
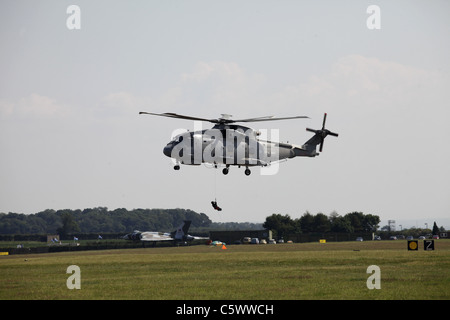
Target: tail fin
[182, 230]
[318, 138]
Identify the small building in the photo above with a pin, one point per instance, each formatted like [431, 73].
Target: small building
[53, 238]
[231, 237]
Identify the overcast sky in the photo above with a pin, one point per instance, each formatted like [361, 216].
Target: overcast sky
[71, 136]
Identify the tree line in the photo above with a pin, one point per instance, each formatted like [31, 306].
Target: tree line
[353, 222]
[102, 220]
[99, 220]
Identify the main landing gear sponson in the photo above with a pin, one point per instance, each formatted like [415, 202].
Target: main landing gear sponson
[225, 171]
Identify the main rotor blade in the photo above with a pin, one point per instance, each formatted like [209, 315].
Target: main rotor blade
[324, 119]
[178, 116]
[269, 118]
[321, 144]
[333, 134]
[220, 120]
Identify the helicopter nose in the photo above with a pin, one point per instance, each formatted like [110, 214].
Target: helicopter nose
[167, 150]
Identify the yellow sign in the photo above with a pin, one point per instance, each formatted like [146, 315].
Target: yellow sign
[413, 245]
[4, 253]
[322, 241]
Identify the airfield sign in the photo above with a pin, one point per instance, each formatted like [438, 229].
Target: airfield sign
[428, 245]
[413, 245]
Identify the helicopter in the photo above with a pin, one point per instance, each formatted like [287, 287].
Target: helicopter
[231, 144]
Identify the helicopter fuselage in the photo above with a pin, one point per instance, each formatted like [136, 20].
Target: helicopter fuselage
[228, 145]
[234, 145]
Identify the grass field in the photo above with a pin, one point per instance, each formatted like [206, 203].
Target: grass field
[281, 271]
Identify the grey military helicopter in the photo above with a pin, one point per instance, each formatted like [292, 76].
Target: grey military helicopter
[229, 144]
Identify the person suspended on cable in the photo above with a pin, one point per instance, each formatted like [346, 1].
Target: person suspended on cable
[215, 206]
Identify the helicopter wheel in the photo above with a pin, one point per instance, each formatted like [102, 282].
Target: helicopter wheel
[225, 171]
[247, 172]
[177, 167]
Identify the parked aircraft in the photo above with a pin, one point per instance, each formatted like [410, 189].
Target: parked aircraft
[179, 235]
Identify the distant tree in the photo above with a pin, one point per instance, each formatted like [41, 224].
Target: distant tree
[307, 222]
[321, 223]
[51, 220]
[371, 222]
[69, 225]
[282, 225]
[340, 224]
[435, 229]
[361, 222]
[356, 220]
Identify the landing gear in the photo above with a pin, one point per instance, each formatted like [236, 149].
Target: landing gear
[247, 172]
[176, 167]
[225, 170]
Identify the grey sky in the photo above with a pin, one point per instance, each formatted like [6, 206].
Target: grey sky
[71, 136]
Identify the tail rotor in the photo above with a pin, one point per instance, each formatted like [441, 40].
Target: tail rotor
[321, 134]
